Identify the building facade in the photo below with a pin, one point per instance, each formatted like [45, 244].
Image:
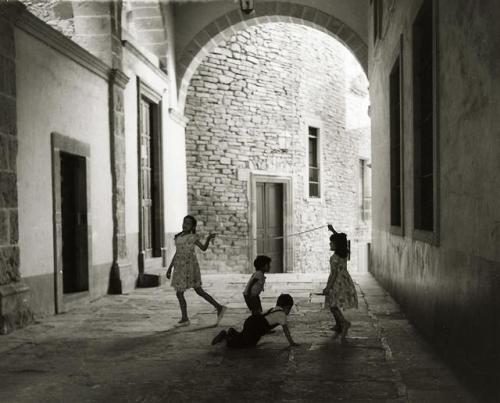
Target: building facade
[277, 143]
[435, 243]
[86, 199]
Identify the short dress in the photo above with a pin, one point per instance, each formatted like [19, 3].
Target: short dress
[186, 268]
[342, 292]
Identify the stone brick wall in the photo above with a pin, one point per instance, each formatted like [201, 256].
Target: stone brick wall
[9, 250]
[144, 21]
[14, 295]
[56, 13]
[249, 107]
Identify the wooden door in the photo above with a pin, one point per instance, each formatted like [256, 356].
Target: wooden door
[74, 224]
[146, 199]
[270, 223]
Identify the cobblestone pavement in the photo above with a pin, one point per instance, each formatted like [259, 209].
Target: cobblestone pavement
[126, 348]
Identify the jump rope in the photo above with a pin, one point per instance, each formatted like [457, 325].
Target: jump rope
[231, 237]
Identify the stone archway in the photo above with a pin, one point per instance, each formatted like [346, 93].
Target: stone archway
[252, 106]
[271, 11]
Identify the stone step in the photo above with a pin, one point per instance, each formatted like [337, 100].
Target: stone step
[154, 275]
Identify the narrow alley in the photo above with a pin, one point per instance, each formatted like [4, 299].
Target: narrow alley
[126, 348]
[125, 124]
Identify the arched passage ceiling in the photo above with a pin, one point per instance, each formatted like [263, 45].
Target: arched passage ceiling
[200, 25]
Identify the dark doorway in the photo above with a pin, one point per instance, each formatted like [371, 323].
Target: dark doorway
[270, 223]
[75, 271]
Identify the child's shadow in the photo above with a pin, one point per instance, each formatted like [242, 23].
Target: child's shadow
[188, 329]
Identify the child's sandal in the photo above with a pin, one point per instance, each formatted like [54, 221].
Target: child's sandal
[185, 322]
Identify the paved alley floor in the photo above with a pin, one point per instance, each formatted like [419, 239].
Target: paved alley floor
[126, 348]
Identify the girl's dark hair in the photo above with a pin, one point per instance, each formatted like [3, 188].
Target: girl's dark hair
[341, 248]
[260, 261]
[194, 225]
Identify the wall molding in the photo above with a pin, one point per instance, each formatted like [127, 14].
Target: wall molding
[178, 117]
[134, 50]
[57, 41]
[118, 77]
[29, 23]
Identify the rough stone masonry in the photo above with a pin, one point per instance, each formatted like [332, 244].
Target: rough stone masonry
[14, 306]
[249, 107]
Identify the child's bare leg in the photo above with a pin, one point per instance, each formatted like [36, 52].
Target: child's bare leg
[338, 318]
[183, 306]
[207, 297]
[344, 323]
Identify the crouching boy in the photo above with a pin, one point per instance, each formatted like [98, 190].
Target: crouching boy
[257, 325]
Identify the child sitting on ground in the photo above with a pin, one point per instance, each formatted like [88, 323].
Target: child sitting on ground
[256, 326]
[255, 285]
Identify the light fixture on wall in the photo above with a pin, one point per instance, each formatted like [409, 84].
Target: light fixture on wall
[247, 6]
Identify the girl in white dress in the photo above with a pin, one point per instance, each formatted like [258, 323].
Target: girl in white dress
[187, 270]
[340, 292]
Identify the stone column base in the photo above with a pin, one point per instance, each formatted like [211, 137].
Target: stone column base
[122, 278]
[14, 307]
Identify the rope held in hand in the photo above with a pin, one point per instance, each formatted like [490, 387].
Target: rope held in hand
[274, 237]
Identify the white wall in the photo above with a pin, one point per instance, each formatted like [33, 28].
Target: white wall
[175, 181]
[174, 174]
[54, 94]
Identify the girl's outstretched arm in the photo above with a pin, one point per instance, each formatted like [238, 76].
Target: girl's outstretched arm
[204, 246]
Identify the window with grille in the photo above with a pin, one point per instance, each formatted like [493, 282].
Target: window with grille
[314, 169]
[365, 198]
[395, 111]
[423, 120]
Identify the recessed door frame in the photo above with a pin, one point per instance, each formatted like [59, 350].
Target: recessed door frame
[146, 93]
[63, 144]
[286, 181]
